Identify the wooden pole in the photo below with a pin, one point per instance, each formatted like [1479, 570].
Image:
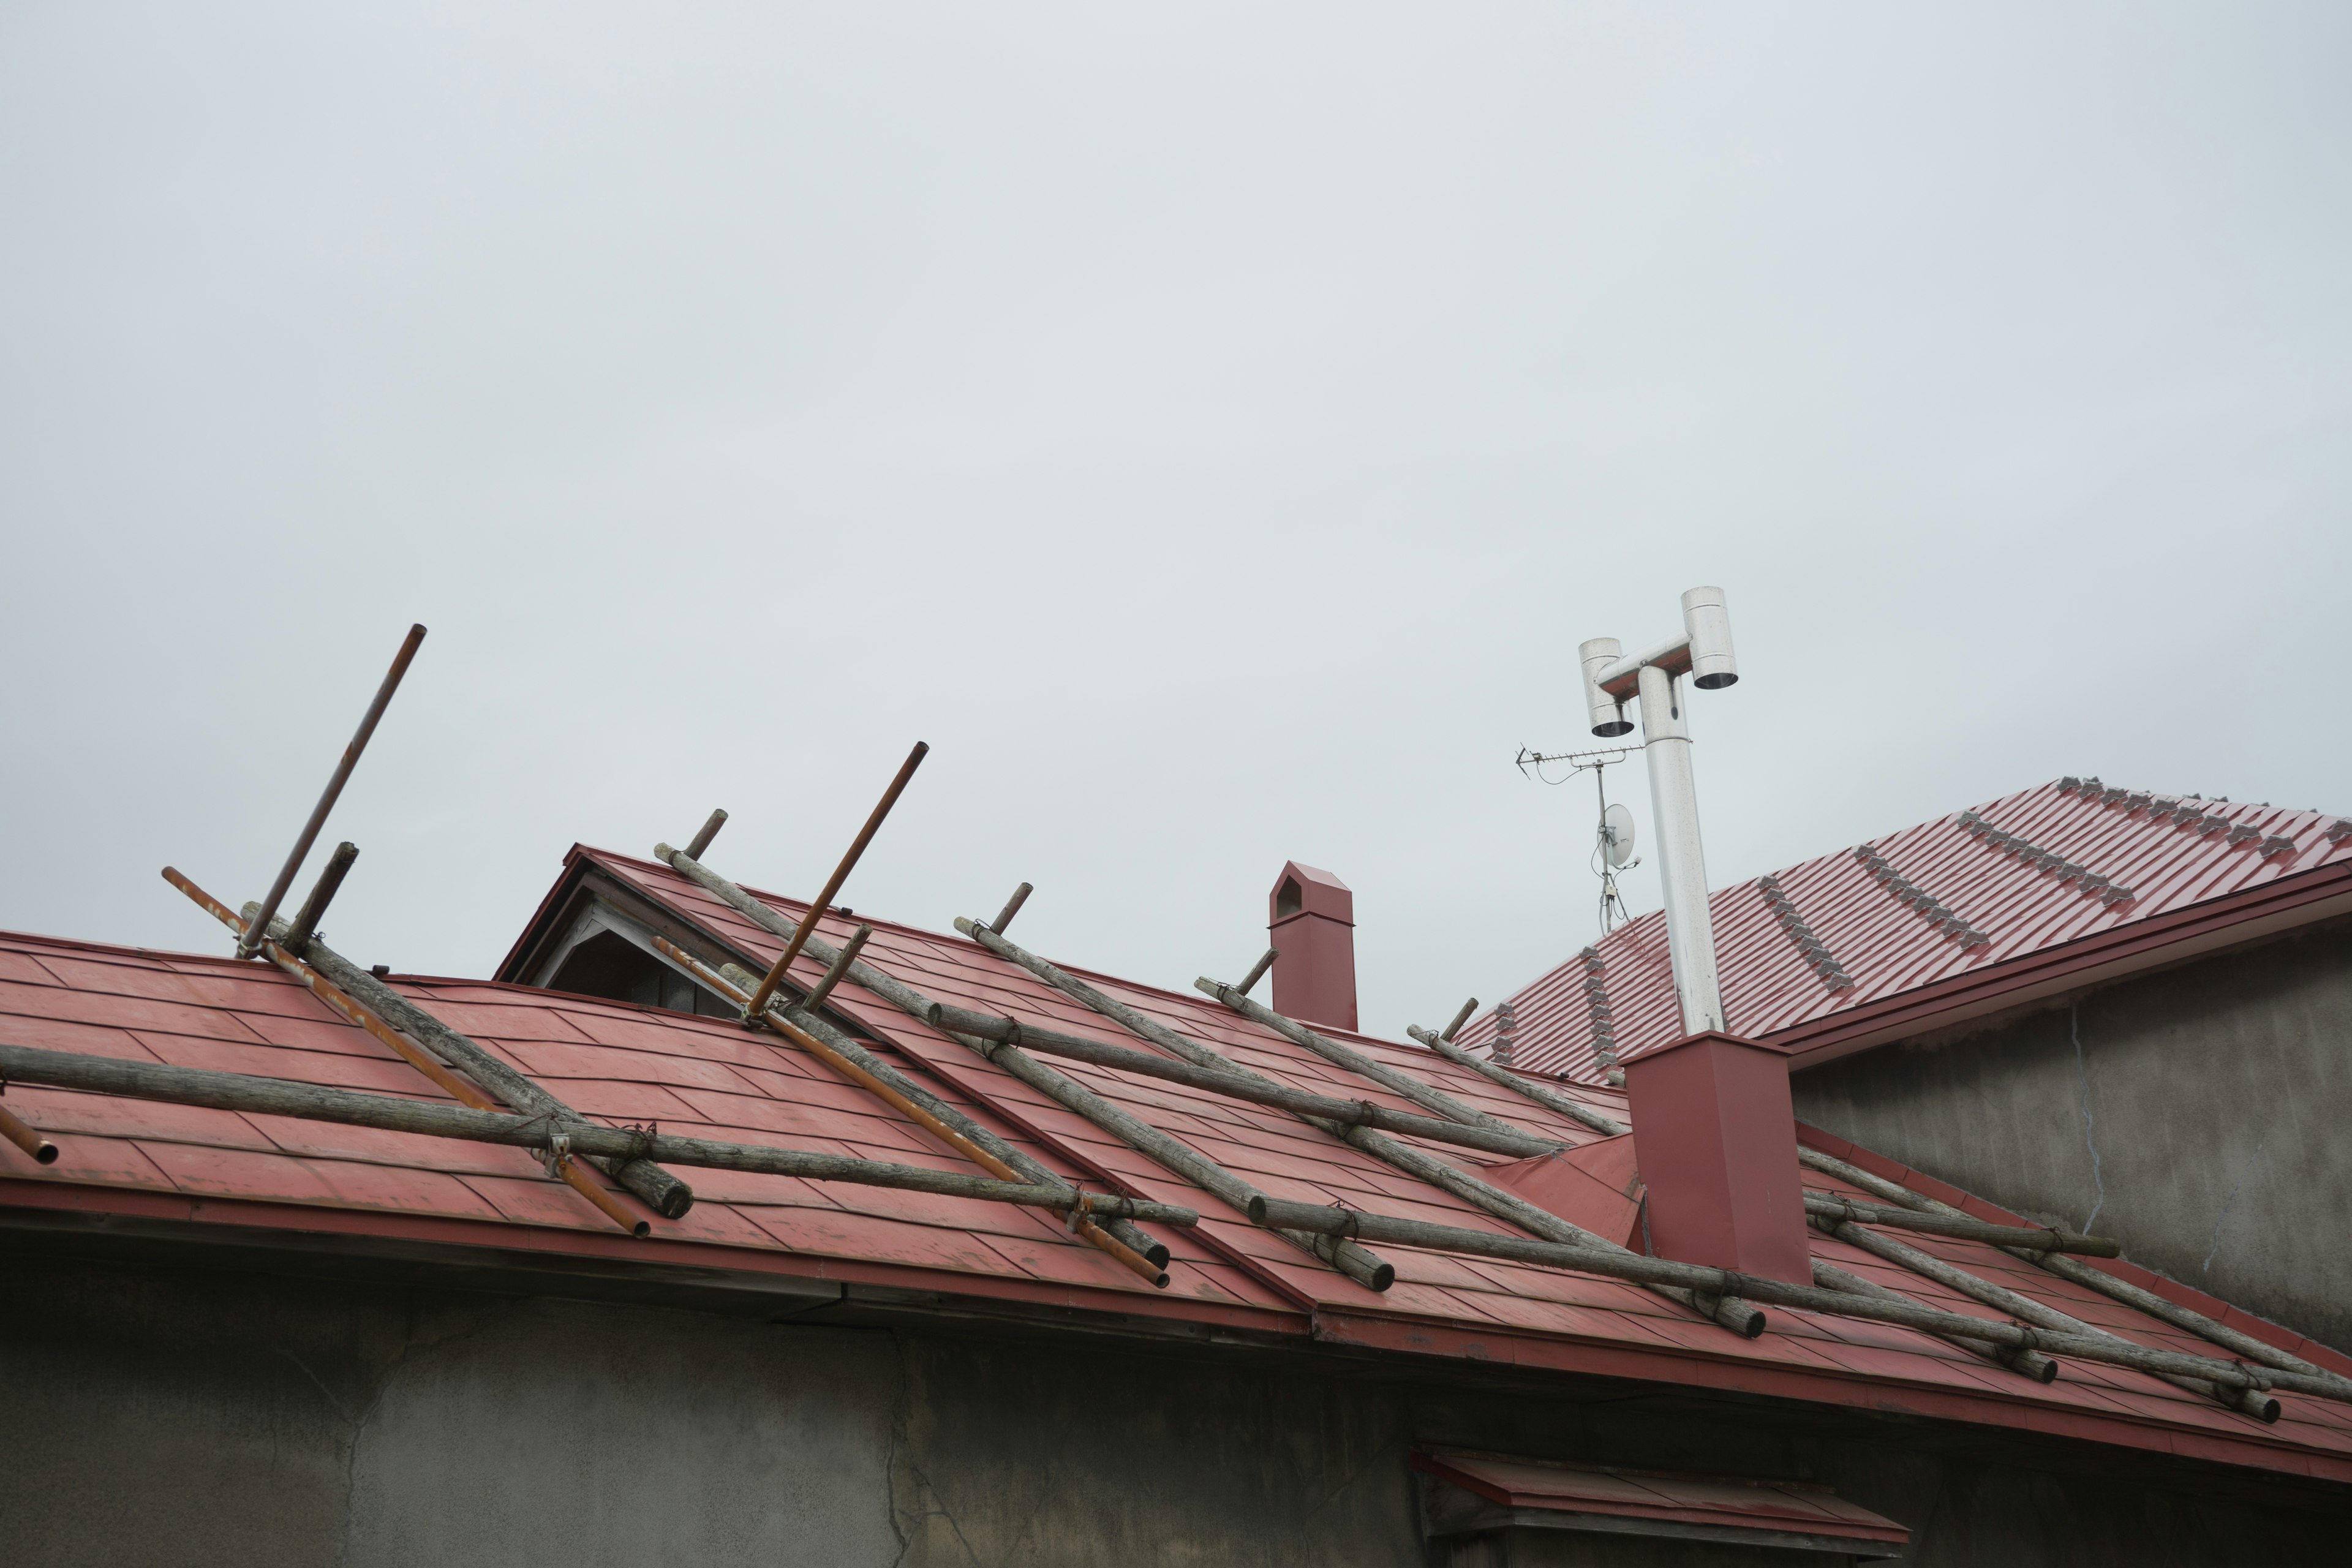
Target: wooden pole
[656, 1188]
[1736, 1315]
[735, 983]
[1633, 1265]
[2249, 1400]
[901, 996]
[1427, 1096]
[323, 893]
[42, 1152]
[705, 833]
[1830, 1207]
[839, 967]
[2082, 1274]
[1526, 1089]
[415, 1055]
[1011, 905]
[1257, 971]
[250, 941]
[1231, 1081]
[759, 1003]
[308, 1102]
[2031, 1363]
[1460, 1019]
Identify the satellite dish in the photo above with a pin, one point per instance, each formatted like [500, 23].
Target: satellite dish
[1617, 835]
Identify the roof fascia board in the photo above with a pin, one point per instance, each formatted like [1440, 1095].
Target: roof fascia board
[2238, 919]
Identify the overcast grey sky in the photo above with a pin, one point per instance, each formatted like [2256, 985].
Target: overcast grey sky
[1212, 427]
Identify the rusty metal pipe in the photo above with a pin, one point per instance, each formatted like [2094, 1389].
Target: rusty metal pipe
[42, 1151]
[250, 941]
[314, 907]
[758, 1004]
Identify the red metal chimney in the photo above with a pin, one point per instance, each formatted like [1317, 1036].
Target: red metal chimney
[1714, 1137]
[1312, 922]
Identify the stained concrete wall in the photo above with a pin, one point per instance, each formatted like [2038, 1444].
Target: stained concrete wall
[193, 1417]
[2198, 1115]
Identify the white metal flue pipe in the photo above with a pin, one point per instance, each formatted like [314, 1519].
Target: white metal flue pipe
[1657, 681]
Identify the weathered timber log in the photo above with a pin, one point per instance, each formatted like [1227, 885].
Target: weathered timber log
[663, 1192]
[2031, 1363]
[1427, 1096]
[323, 893]
[258, 927]
[1011, 906]
[837, 968]
[1226, 1081]
[1736, 1315]
[874, 980]
[1526, 1087]
[705, 833]
[39, 1149]
[1461, 1016]
[2034, 1238]
[1635, 1267]
[1257, 971]
[2249, 1400]
[281, 1097]
[2185, 1318]
[734, 981]
[775, 976]
[458, 1088]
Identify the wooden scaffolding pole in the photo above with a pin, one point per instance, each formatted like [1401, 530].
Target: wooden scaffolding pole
[310, 1102]
[1738, 1317]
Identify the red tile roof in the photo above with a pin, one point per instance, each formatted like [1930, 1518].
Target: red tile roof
[622, 1063]
[2027, 893]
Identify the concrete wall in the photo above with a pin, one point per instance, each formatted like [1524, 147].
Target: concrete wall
[190, 1419]
[2198, 1115]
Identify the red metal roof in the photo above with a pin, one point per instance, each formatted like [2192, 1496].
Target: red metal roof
[2036, 889]
[621, 1063]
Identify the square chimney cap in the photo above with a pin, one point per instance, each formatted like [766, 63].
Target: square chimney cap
[1304, 890]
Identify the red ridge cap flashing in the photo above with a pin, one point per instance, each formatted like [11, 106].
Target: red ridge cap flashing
[2273, 1334]
[1565, 1486]
[1876, 1393]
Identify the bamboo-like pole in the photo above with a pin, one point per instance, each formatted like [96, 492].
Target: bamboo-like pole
[250, 941]
[2249, 1401]
[415, 1055]
[1427, 1096]
[2098, 1280]
[735, 985]
[1963, 1228]
[1011, 905]
[904, 997]
[775, 976]
[654, 1188]
[2031, 1363]
[13, 1128]
[1736, 1315]
[323, 893]
[310, 1102]
[1635, 1267]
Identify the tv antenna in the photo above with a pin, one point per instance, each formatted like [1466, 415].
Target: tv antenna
[1612, 832]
